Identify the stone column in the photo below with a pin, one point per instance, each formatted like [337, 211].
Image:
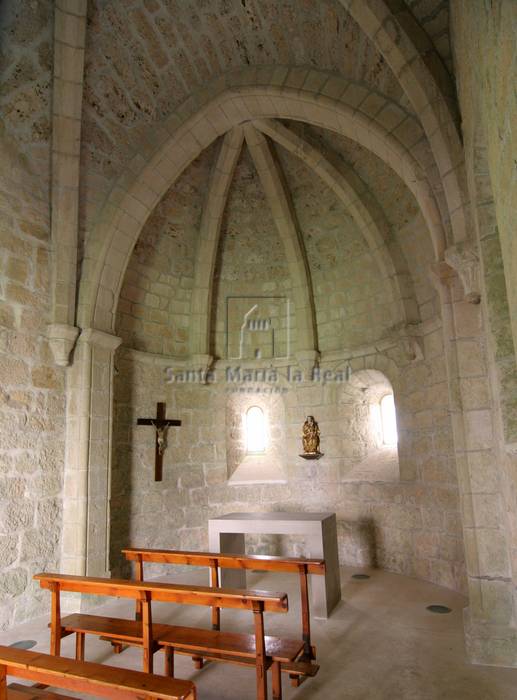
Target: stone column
[491, 634]
[86, 520]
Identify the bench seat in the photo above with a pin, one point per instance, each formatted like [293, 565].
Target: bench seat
[83, 677]
[127, 631]
[190, 639]
[17, 691]
[203, 642]
[299, 670]
[210, 645]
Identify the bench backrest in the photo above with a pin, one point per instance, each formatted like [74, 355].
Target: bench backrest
[257, 562]
[166, 593]
[217, 560]
[85, 677]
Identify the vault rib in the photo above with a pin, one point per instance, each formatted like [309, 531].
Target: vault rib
[279, 200]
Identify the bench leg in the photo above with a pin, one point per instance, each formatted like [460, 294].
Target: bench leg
[198, 662]
[55, 641]
[296, 681]
[148, 661]
[79, 646]
[169, 661]
[276, 672]
[148, 644]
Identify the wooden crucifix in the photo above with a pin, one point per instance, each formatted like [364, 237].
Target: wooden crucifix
[160, 423]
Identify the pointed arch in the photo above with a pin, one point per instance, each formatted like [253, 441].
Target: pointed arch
[193, 129]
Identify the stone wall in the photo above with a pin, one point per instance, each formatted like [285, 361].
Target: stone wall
[411, 525]
[402, 515]
[486, 69]
[31, 389]
[485, 54]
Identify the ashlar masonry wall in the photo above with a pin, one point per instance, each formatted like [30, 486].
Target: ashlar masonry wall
[411, 525]
[32, 404]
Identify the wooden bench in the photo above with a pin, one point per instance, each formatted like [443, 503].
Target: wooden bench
[81, 676]
[259, 650]
[303, 667]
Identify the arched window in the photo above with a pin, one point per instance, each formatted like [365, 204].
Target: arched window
[255, 428]
[389, 420]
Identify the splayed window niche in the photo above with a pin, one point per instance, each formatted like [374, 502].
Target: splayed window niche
[369, 425]
[255, 439]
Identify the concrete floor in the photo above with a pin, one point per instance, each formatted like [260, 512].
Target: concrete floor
[379, 644]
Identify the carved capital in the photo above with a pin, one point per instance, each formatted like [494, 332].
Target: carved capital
[61, 338]
[464, 259]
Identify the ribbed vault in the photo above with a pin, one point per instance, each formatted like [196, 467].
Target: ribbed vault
[261, 137]
[268, 142]
[131, 203]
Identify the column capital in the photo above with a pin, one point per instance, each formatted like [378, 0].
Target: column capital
[100, 339]
[464, 259]
[61, 338]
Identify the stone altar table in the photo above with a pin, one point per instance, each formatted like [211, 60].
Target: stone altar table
[226, 534]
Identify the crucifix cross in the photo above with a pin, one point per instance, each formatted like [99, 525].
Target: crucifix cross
[160, 424]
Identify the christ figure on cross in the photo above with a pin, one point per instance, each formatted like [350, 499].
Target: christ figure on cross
[160, 425]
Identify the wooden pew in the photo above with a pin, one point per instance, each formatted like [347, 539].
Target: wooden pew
[299, 670]
[83, 677]
[261, 651]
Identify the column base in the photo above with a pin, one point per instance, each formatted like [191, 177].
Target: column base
[488, 644]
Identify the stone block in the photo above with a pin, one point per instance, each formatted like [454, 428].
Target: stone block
[47, 378]
[13, 371]
[13, 582]
[17, 270]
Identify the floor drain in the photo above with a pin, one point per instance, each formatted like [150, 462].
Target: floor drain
[360, 577]
[440, 609]
[24, 644]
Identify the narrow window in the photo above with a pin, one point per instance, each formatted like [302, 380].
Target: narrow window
[255, 425]
[389, 420]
